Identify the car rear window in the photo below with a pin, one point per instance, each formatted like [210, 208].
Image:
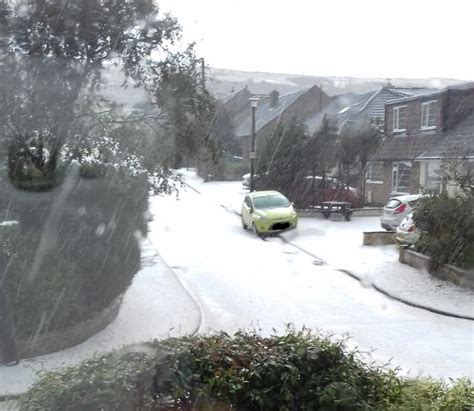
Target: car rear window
[392, 203]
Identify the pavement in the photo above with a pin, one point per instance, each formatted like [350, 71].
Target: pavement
[156, 306]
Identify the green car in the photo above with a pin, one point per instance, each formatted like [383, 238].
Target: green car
[268, 212]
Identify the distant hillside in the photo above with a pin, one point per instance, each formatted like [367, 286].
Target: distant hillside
[223, 82]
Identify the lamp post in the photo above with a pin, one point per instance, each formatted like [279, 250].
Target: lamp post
[253, 104]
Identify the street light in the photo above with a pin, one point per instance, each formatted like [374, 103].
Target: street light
[253, 104]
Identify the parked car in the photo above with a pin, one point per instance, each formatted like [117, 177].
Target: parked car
[396, 209]
[407, 233]
[246, 179]
[268, 212]
[331, 189]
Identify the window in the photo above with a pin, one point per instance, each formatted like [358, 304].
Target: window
[374, 173]
[399, 118]
[401, 177]
[428, 120]
[248, 203]
[433, 177]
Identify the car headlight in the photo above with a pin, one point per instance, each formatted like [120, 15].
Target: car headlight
[261, 218]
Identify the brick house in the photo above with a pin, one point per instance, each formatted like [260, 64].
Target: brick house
[274, 110]
[421, 132]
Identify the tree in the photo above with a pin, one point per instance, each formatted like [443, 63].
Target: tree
[319, 152]
[282, 160]
[52, 55]
[357, 142]
[188, 106]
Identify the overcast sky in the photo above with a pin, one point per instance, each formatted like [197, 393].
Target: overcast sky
[362, 38]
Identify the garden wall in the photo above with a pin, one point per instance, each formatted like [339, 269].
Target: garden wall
[455, 275]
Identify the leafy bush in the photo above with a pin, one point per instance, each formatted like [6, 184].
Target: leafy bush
[447, 229]
[295, 371]
[62, 270]
[226, 168]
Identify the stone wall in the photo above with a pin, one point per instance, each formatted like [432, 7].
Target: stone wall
[379, 237]
[455, 275]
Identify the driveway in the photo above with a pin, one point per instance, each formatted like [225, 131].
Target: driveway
[241, 281]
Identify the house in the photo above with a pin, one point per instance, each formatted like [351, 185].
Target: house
[273, 110]
[350, 108]
[422, 132]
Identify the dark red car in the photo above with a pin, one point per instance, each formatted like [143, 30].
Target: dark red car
[329, 189]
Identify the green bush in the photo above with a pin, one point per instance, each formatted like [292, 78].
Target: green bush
[62, 271]
[225, 169]
[295, 371]
[447, 229]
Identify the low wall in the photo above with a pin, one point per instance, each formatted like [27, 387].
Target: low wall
[357, 212]
[379, 237]
[60, 339]
[455, 275]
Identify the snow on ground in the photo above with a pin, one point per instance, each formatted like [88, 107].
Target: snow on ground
[155, 306]
[339, 244]
[241, 281]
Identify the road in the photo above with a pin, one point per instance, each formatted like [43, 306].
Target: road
[240, 281]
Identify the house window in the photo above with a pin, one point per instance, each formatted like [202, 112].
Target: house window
[399, 118]
[428, 121]
[374, 173]
[401, 177]
[433, 177]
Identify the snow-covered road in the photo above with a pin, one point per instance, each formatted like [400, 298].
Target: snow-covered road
[241, 281]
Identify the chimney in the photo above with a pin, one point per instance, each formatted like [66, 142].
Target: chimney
[274, 97]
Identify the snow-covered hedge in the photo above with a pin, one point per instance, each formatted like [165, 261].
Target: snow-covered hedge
[296, 371]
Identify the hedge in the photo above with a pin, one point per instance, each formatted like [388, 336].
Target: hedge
[295, 371]
[447, 229]
[63, 270]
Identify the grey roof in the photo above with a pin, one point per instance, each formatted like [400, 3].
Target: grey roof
[228, 98]
[432, 92]
[405, 148]
[264, 113]
[340, 108]
[356, 107]
[455, 143]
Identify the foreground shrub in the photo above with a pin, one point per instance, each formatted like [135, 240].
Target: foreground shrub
[447, 229]
[295, 371]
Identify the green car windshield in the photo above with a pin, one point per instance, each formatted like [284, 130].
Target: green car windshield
[271, 201]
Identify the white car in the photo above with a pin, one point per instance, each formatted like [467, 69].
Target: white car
[407, 233]
[396, 209]
[246, 180]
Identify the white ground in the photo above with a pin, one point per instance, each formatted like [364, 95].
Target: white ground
[155, 306]
[339, 243]
[242, 281]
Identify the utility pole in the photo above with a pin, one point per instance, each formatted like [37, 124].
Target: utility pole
[253, 104]
[203, 73]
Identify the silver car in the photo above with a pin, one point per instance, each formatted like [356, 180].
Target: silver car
[407, 233]
[396, 209]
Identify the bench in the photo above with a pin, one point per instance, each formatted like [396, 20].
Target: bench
[341, 207]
